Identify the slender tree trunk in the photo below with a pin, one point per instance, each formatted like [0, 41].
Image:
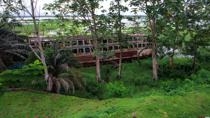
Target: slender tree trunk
[154, 48]
[171, 59]
[120, 66]
[41, 51]
[95, 38]
[154, 65]
[119, 40]
[98, 73]
[194, 57]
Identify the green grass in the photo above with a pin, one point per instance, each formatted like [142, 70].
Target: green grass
[31, 104]
[46, 28]
[165, 99]
[136, 69]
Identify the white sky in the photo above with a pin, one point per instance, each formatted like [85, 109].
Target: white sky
[41, 3]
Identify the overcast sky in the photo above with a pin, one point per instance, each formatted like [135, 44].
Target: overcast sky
[41, 3]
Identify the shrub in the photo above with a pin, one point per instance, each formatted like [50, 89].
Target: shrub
[94, 89]
[116, 89]
[171, 87]
[104, 90]
[108, 73]
[23, 77]
[1, 89]
[202, 76]
[203, 55]
[31, 58]
[182, 68]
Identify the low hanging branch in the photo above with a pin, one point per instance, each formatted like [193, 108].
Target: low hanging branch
[36, 54]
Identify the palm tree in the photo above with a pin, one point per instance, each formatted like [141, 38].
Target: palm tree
[61, 65]
[12, 47]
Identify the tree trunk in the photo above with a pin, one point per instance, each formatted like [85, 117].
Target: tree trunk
[41, 51]
[194, 60]
[171, 59]
[154, 65]
[98, 74]
[120, 66]
[95, 38]
[154, 48]
[46, 73]
[119, 40]
[195, 47]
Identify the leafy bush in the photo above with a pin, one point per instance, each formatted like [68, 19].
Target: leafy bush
[203, 54]
[170, 87]
[1, 89]
[63, 75]
[116, 89]
[104, 90]
[93, 89]
[182, 68]
[31, 58]
[202, 77]
[109, 73]
[24, 77]
[177, 86]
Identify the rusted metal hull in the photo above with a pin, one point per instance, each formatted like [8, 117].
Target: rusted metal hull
[83, 49]
[127, 55]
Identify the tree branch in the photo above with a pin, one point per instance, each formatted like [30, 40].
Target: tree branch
[35, 53]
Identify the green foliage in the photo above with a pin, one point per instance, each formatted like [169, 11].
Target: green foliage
[13, 48]
[172, 87]
[53, 28]
[62, 69]
[116, 89]
[31, 58]
[23, 77]
[7, 20]
[69, 81]
[137, 80]
[61, 63]
[204, 57]
[181, 68]
[58, 56]
[92, 89]
[129, 84]
[105, 90]
[108, 73]
[202, 77]
[191, 104]
[180, 86]
[1, 88]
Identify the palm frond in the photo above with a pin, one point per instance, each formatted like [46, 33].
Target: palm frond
[71, 85]
[58, 85]
[64, 84]
[12, 46]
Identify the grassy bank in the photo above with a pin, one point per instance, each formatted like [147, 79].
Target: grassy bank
[29, 105]
[171, 97]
